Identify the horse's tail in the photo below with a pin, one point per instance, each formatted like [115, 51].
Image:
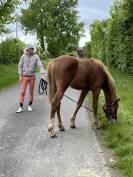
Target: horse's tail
[52, 84]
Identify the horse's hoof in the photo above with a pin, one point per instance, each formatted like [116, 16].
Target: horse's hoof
[62, 129]
[112, 121]
[72, 126]
[53, 135]
[50, 129]
[96, 127]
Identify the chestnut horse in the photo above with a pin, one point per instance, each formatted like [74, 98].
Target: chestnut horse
[84, 75]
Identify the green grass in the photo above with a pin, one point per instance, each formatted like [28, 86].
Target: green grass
[120, 136]
[8, 75]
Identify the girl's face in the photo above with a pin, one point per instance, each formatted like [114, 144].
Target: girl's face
[30, 51]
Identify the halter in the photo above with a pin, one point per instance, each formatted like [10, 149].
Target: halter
[108, 110]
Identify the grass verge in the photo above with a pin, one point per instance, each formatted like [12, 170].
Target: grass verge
[120, 136]
[8, 75]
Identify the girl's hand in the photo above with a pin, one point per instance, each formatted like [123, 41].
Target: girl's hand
[20, 78]
[43, 78]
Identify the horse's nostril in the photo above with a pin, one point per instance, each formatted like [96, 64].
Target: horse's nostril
[114, 121]
[110, 121]
[115, 117]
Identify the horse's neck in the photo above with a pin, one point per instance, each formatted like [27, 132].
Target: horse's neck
[109, 93]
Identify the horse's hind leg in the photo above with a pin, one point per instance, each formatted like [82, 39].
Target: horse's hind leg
[79, 104]
[95, 95]
[61, 128]
[54, 107]
[51, 121]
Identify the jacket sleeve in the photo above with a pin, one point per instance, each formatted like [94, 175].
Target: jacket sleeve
[20, 66]
[40, 65]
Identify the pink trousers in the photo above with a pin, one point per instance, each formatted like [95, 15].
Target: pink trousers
[27, 80]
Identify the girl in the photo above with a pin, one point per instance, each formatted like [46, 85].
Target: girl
[26, 69]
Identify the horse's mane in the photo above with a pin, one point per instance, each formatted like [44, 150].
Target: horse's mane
[107, 73]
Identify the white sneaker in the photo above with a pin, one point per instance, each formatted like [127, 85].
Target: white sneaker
[19, 110]
[29, 108]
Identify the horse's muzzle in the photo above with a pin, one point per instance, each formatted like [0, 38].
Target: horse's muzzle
[112, 121]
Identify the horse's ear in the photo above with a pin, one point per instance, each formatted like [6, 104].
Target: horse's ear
[104, 107]
[116, 101]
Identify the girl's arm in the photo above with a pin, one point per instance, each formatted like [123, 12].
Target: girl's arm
[20, 68]
[41, 68]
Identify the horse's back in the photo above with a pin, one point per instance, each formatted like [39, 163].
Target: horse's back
[66, 64]
[66, 61]
[65, 68]
[75, 72]
[79, 73]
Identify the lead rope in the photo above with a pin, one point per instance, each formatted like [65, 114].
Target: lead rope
[91, 110]
[77, 102]
[43, 86]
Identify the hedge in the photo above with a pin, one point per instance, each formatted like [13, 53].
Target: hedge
[112, 39]
[10, 51]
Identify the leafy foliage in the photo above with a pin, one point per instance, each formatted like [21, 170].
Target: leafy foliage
[112, 39]
[55, 22]
[87, 49]
[10, 51]
[6, 9]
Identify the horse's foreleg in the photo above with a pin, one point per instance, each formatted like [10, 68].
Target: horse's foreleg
[59, 119]
[95, 96]
[54, 107]
[79, 104]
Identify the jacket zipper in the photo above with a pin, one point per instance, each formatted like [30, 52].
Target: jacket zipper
[28, 65]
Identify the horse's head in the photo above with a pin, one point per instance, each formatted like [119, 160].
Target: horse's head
[110, 110]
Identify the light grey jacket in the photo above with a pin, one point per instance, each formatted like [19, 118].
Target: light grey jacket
[28, 64]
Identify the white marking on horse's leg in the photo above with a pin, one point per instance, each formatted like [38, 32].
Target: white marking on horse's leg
[60, 125]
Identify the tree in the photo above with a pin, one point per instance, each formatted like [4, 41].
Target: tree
[11, 50]
[6, 9]
[122, 27]
[112, 39]
[55, 21]
[99, 40]
[87, 49]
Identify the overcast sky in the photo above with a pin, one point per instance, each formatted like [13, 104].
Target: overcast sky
[89, 10]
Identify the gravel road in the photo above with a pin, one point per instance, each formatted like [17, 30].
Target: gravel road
[27, 151]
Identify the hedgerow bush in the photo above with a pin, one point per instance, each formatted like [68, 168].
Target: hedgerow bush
[87, 49]
[112, 39]
[10, 51]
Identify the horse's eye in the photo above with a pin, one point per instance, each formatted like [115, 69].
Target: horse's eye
[105, 107]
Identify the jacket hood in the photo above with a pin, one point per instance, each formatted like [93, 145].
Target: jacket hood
[25, 51]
